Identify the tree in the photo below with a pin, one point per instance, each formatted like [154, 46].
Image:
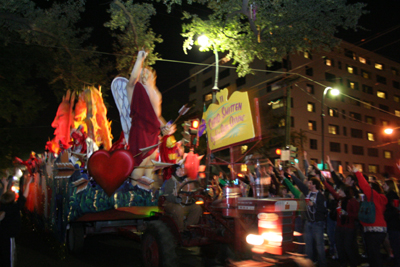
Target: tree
[269, 29]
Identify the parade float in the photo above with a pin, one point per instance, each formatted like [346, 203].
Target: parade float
[84, 183]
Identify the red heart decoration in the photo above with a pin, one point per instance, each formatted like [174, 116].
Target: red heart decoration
[110, 169]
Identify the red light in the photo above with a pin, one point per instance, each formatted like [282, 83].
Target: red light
[278, 151]
[195, 124]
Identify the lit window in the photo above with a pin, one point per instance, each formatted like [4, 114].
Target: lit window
[282, 123]
[328, 62]
[333, 129]
[387, 154]
[396, 98]
[359, 166]
[208, 97]
[276, 104]
[362, 60]
[371, 137]
[381, 94]
[370, 120]
[379, 66]
[311, 107]
[373, 168]
[397, 113]
[385, 123]
[365, 74]
[312, 125]
[307, 55]
[395, 71]
[333, 112]
[350, 69]
[310, 88]
[352, 85]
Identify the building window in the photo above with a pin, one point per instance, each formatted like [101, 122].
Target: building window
[368, 104]
[333, 112]
[371, 137]
[344, 131]
[384, 107]
[352, 85]
[333, 129]
[240, 81]
[224, 73]
[373, 152]
[355, 101]
[366, 74]
[396, 98]
[313, 144]
[381, 94]
[344, 114]
[370, 120]
[363, 60]
[397, 113]
[396, 84]
[351, 69]
[380, 79]
[207, 82]
[367, 89]
[346, 150]
[379, 66]
[387, 154]
[329, 77]
[373, 168]
[334, 147]
[356, 133]
[395, 71]
[339, 65]
[357, 150]
[355, 116]
[310, 88]
[292, 122]
[359, 166]
[312, 125]
[311, 107]
[350, 54]
[385, 123]
[329, 62]
[276, 104]
[275, 66]
[193, 89]
[307, 55]
[309, 71]
[207, 97]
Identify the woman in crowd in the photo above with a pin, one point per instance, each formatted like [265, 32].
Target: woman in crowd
[345, 232]
[374, 233]
[392, 218]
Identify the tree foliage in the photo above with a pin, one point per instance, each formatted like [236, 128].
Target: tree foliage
[270, 29]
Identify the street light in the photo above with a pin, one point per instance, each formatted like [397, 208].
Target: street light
[204, 42]
[333, 92]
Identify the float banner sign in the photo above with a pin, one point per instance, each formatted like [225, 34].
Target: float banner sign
[230, 121]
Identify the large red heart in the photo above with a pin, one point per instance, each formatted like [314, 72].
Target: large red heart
[110, 169]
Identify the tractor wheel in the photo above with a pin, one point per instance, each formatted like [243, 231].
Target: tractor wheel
[216, 254]
[75, 237]
[158, 246]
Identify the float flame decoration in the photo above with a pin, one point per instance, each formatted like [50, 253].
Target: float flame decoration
[63, 121]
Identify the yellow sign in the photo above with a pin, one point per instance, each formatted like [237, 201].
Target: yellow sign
[230, 121]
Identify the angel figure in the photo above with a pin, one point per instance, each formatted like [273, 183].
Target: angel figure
[139, 104]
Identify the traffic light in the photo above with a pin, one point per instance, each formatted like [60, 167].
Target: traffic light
[293, 154]
[186, 139]
[194, 130]
[278, 151]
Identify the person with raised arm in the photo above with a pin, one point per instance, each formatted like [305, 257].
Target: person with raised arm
[374, 233]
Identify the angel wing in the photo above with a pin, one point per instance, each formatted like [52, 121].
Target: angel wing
[118, 89]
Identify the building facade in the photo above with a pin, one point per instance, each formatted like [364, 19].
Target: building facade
[354, 121]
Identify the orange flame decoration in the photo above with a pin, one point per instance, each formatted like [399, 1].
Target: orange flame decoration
[63, 121]
[90, 113]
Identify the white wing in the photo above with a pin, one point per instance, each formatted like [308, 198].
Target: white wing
[118, 89]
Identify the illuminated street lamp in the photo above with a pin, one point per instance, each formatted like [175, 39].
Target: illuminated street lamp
[204, 41]
[334, 92]
[388, 131]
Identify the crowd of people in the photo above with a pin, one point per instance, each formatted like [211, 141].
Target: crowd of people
[336, 204]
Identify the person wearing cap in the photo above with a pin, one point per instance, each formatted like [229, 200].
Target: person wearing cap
[177, 205]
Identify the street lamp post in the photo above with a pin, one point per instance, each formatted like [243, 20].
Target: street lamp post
[333, 92]
[204, 41]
